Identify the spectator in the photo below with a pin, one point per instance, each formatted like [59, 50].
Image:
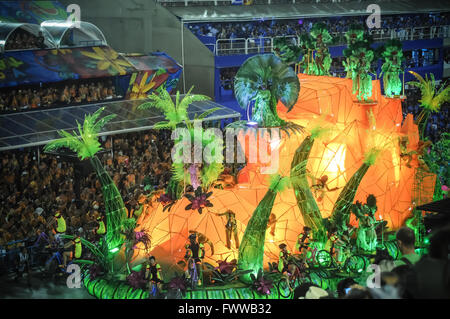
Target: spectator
[23, 265]
[405, 242]
[431, 276]
[24, 40]
[390, 287]
[309, 291]
[385, 261]
[358, 292]
[394, 26]
[344, 286]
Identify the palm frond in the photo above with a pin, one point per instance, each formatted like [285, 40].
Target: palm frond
[102, 122]
[179, 173]
[431, 100]
[146, 106]
[67, 140]
[211, 173]
[163, 125]
[161, 101]
[84, 142]
[442, 96]
[207, 113]
[90, 144]
[188, 99]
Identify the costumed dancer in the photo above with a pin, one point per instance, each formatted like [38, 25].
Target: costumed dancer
[303, 241]
[202, 239]
[343, 245]
[272, 223]
[405, 154]
[366, 237]
[292, 274]
[72, 249]
[60, 223]
[101, 228]
[231, 228]
[196, 252]
[320, 186]
[153, 274]
[283, 259]
[332, 238]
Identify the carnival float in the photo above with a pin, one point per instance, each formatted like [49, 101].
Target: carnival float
[349, 171]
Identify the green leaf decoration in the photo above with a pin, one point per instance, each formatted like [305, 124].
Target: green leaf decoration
[84, 142]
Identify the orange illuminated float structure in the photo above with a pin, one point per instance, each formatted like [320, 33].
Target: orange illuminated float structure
[333, 145]
[354, 128]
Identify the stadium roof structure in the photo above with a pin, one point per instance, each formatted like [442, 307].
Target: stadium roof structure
[35, 128]
[74, 34]
[303, 10]
[8, 28]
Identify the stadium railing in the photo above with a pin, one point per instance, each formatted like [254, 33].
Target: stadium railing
[265, 44]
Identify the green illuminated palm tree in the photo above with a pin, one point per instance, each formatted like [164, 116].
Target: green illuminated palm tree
[432, 98]
[86, 145]
[266, 80]
[175, 113]
[177, 116]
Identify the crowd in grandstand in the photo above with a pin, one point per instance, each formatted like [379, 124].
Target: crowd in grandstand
[273, 28]
[22, 40]
[73, 93]
[34, 190]
[447, 55]
[227, 78]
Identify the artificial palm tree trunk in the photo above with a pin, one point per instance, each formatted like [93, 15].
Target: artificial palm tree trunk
[341, 210]
[421, 122]
[263, 112]
[251, 250]
[114, 207]
[305, 199]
